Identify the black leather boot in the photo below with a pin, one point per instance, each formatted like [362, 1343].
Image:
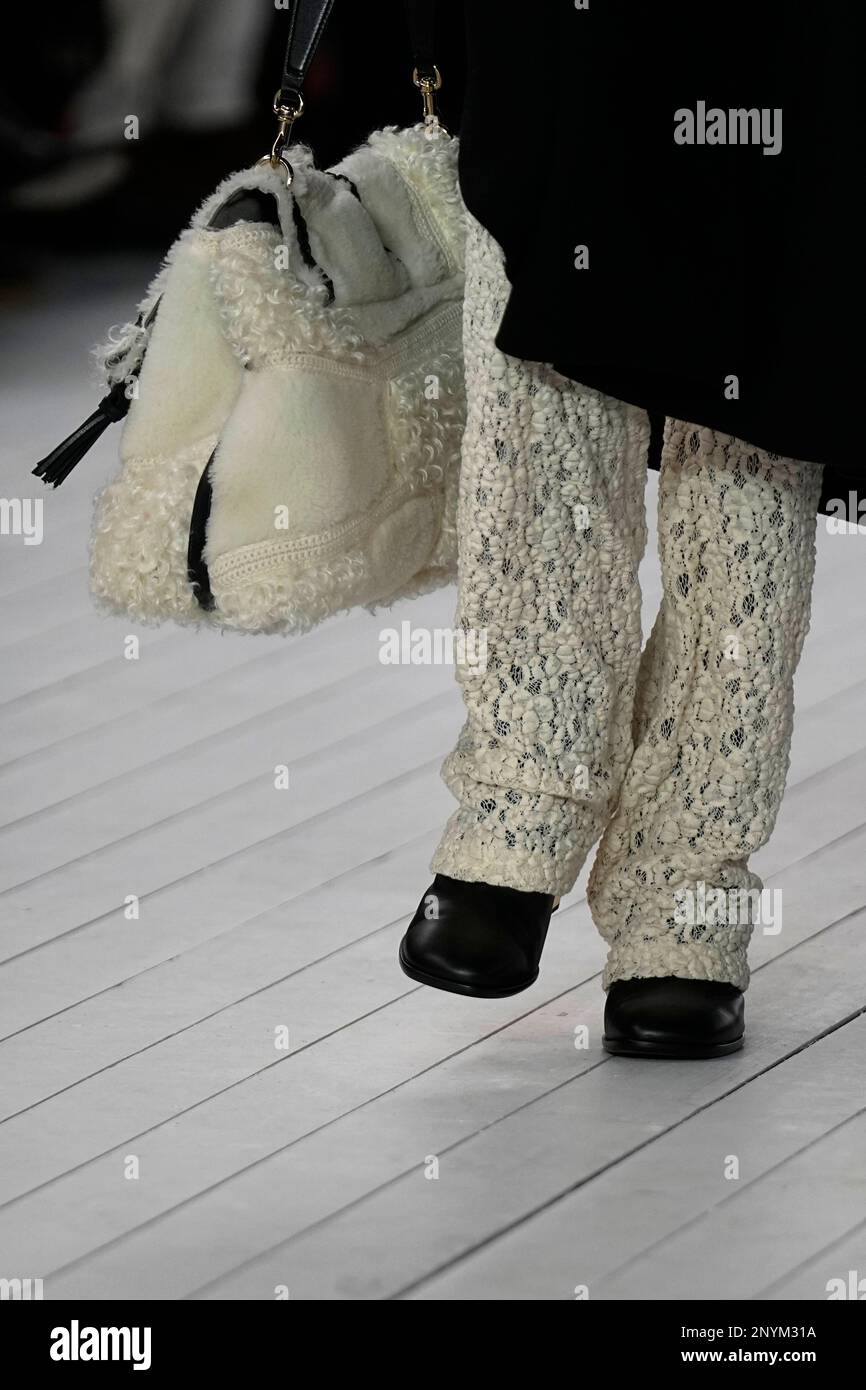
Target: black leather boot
[483, 940]
[672, 1017]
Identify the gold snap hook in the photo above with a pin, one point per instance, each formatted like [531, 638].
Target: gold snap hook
[286, 117]
[427, 85]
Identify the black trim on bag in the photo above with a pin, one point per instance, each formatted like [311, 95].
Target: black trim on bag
[303, 235]
[344, 178]
[195, 564]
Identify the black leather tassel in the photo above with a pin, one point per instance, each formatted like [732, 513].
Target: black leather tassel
[60, 462]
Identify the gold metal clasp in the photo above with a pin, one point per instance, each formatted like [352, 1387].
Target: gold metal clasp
[427, 86]
[286, 117]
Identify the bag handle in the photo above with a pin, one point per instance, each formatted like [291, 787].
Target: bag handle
[421, 18]
[307, 20]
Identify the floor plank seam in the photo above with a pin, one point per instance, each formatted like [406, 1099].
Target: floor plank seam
[271, 658]
[608, 1167]
[804, 1264]
[236, 926]
[405, 716]
[328, 813]
[204, 1100]
[359, 676]
[213, 1187]
[324, 1221]
[744, 1188]
[206, 1018]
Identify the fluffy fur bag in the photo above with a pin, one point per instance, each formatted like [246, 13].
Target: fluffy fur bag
[295, 393]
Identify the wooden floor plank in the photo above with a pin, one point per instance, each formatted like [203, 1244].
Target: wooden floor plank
[473, 1199]
[86, 702]
[222, 825]
[63, 767]
[199, 981]
[619, 1218]
[47, 603]
[82, 698]
[51, 1057]
[764, 945]
[135, 731]
[764, 1229]
[203, 902]
[837, 1270]
[131, 803]
[69, 650]
[514, 1167]
[334, 991]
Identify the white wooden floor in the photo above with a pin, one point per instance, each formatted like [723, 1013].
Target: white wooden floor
[148, 1046]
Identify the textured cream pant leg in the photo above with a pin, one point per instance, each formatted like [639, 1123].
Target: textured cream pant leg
[714, 708]
[551, 531]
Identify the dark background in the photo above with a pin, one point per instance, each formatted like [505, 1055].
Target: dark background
[360, 80]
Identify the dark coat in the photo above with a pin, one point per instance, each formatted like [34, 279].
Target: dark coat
[723, 285]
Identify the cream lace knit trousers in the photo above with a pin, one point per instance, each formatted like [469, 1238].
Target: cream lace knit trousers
[676, 756]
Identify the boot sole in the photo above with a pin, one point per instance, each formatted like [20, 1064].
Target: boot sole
[456, 986]
[624, 1047]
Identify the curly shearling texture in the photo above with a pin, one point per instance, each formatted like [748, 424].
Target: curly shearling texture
[125, 344]
[679, 756]
[429, 169]
[267, 311]
[137, 548]
[257, 303]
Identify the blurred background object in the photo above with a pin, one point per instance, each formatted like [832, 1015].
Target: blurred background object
[117, 118]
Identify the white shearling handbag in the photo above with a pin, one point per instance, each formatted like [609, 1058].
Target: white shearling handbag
[293, 386]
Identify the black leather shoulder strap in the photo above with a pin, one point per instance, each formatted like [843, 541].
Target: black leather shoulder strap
[420, 15]
[307, 19]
